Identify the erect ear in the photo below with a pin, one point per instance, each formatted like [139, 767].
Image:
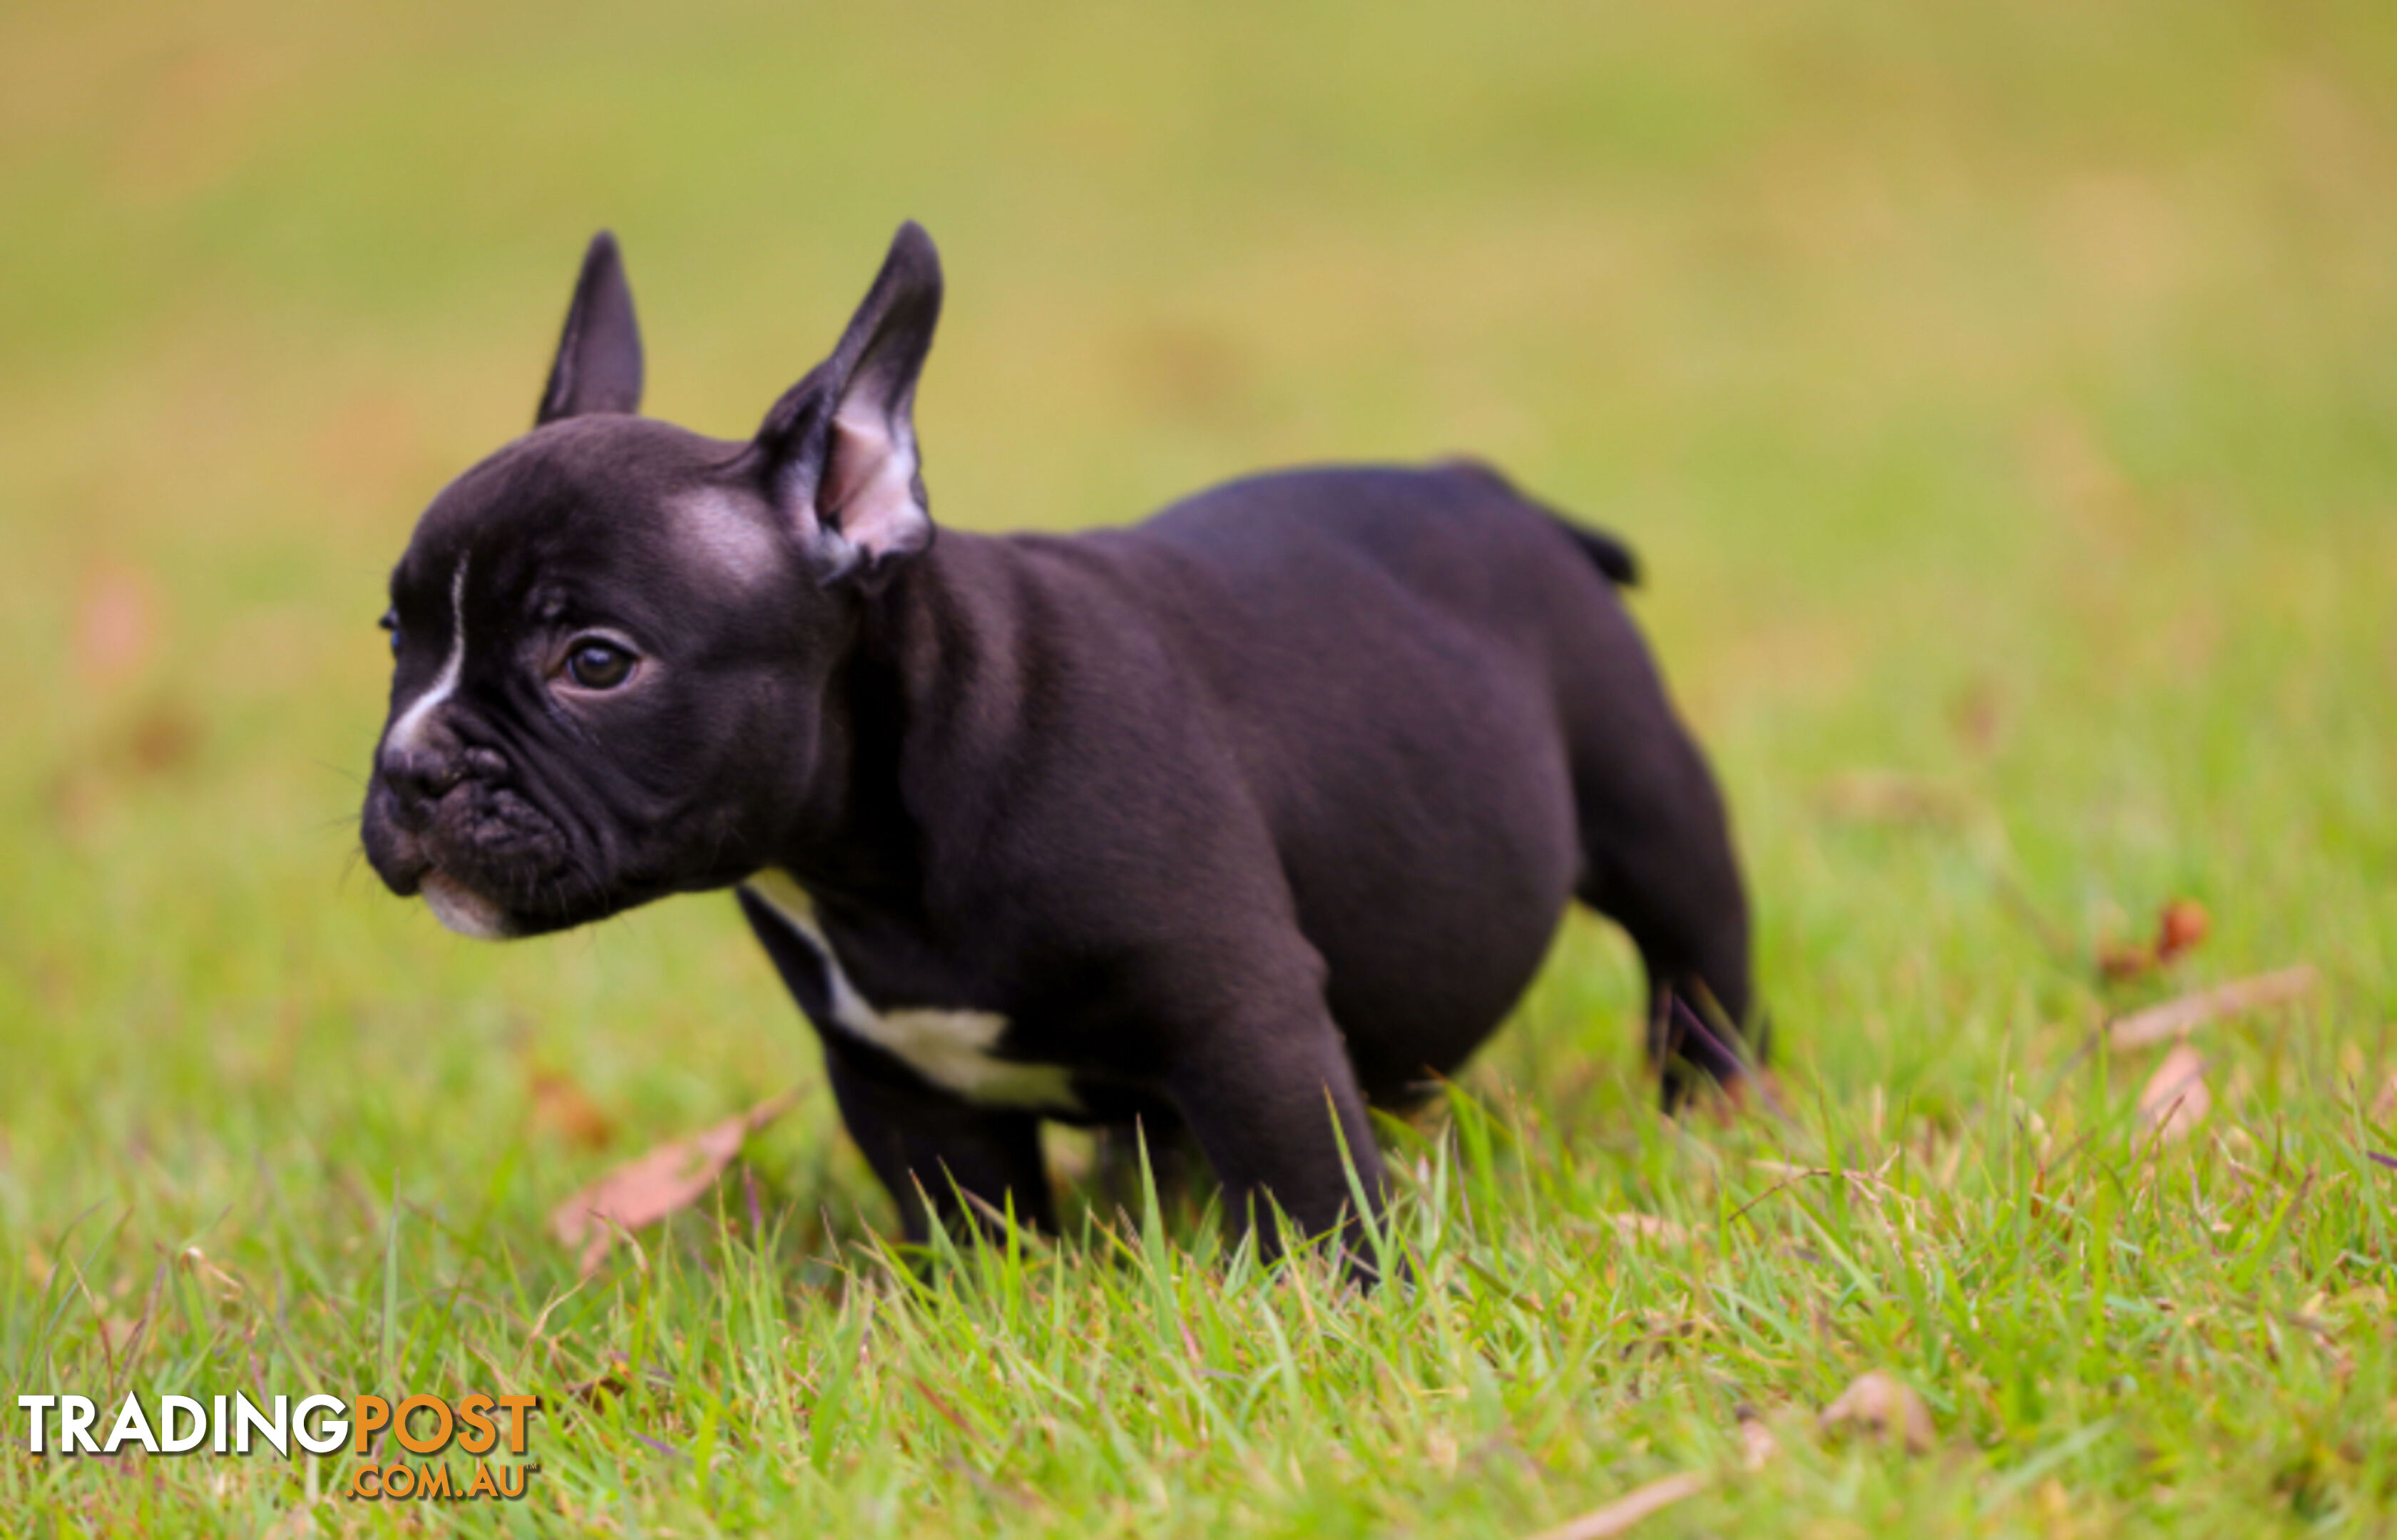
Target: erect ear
[599, 366]
[838, 453]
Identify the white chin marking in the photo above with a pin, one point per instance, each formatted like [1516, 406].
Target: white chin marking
[462, 909]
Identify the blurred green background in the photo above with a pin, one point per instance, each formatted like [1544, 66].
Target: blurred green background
[2005, 396]
[2003, 400]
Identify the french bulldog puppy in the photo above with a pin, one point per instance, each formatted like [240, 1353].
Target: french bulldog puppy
[1231, 822]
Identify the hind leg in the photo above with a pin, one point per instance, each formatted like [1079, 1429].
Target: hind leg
[1659, 862]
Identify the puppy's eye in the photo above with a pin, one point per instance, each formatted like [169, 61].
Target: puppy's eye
[598, 665]
[390, 622]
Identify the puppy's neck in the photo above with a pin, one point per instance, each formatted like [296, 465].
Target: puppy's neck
[897, 698]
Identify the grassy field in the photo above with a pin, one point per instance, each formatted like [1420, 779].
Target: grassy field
[2003, 400]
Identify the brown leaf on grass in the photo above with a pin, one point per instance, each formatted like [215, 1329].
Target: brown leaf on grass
[599, 1388]
[1882, 1405]
[1757, 1447]
[163, 737]
[2177, 1018]
[2118, 961]
[1649, 1227]
[1618, 1516]
[613, 1380]
[562, 1110]
[2181, 926]
[2177, 1100]
[117, 625]
[665, 1181]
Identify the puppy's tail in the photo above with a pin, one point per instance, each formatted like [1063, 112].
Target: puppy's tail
[1607, 553]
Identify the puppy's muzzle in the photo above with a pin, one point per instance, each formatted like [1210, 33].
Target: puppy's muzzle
[445, 824]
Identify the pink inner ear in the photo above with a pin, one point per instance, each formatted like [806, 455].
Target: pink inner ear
[869, 493]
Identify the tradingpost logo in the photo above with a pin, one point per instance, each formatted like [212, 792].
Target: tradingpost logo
[425, 1427]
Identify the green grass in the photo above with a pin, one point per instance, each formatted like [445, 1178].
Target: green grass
[2004, 398]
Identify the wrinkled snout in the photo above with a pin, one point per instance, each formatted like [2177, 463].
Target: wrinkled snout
[419, 778]
[441, 821]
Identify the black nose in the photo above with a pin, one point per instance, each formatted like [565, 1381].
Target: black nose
[418, 777]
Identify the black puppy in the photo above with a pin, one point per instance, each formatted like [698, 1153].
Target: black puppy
[1232, 821]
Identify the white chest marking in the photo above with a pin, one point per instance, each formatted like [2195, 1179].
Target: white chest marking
[405, 732]
[952, 1049]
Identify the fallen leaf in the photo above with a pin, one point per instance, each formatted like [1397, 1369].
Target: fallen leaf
[1757, 1447]
[2177, 1018]
[1651, 1227]
[598, 1388]
[613, 1381]
[665, 1181]
[2175, 1099]
[562, 1110]
[163, 737]
[1883, 1404]
[2182, 925]
[2123, 960]
[1629, 1510]
[117, 625]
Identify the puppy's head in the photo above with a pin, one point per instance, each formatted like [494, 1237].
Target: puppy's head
[613, 638]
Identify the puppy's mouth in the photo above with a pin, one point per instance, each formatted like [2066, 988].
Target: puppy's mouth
[489, 864]
[474, 856]
[406, 868]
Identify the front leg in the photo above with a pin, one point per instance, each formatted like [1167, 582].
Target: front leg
[927, 1144]
[1273, 1101]
[922, 1142]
